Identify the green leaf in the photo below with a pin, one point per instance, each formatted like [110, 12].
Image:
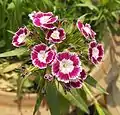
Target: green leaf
[91, 81]
[75, 99]
[99, 109]
[16, 52]
[52, 99]
[64, 104]
[38, 102]
[40, 95]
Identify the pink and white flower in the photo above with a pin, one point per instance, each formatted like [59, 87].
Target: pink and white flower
[42, 55]
[76, 83]
[56, 35]
[44, 20]
[48, 77]
[20, 37]
[86, 30]
[96, 52]
[66, 67]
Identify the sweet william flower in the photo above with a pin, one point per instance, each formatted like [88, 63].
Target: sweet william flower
[56, 35]
[44, 20]
[96, 52]
[48, 77]
[76, 83]
[86, 30]
[20, 37]
[42, 55]
[66, 67]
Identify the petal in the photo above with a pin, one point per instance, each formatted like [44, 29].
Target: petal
[92, 34]
[75, 59]
[63, 55]
[76, 84]
[83, 74]
[55, 68]
[34, 55]
[38, 14]
[63, 77]
[92, 44]
[100, 48]
[48, 14]
[85, 34]
[99, 59]
[40, 47]
[20, 31]
[50, 56]
[90, 52]
[93, 60]
[55, 41]
[62, 33]
[15, 41]
[39, 64]
[48, 26]
[75, 73]
[79, 25]
[36, 22]
[26, 31]
[52, 20]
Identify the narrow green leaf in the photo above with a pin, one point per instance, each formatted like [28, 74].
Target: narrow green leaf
[38, 102]
[83, 105]
[39, 96]
[52, 99]
[16, 52]
[75, 99]
[91, 81]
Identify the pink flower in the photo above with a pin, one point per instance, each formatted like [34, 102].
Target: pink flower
[20, 36]
[76, 83]
[86, 30]
[56, 35]
[44, 20]
[66, 67]
[96, 52]
[42, 55]
[48, 77]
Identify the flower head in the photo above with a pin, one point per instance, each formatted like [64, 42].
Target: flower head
[86, 30]
[96, 52]
[56, 35]
[66, 67]
[20, 36]
[42, 55]
[48, 77]
[44, 20]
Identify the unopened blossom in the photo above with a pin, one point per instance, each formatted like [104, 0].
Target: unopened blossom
[86, 30]
[66, 67]
[48, 77]
[96, 52]
[20, 37]
[44, 20]
[56, 35]
[76, 83]
[42, 55]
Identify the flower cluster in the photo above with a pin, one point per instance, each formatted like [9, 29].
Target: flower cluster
[65, 66]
